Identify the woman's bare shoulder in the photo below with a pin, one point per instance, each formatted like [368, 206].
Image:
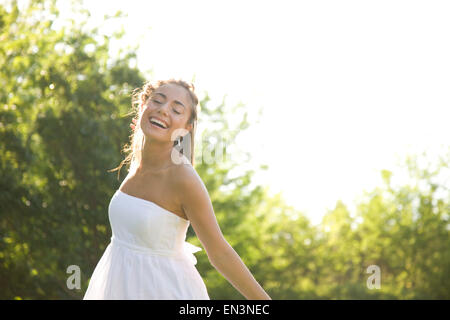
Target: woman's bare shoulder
[185, 176]
[189, 191]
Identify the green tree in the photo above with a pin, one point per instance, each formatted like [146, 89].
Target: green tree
[61, 100]
[64, 101]
[402, 229]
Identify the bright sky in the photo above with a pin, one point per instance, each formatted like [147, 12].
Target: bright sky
[346, 87]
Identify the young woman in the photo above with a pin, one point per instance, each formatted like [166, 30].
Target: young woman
[148, 257]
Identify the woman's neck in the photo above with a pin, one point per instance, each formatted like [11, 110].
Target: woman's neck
[155, 156]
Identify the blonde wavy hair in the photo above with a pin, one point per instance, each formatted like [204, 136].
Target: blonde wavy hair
[133, 150]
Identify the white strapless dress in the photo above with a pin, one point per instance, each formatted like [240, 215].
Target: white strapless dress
[148, 257]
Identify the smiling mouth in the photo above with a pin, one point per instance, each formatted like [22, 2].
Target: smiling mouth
[157, 123]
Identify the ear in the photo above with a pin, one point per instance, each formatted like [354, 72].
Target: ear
[189, 126]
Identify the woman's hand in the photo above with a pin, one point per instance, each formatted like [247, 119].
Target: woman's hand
[133, 125]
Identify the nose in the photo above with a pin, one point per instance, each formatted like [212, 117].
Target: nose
[163, 109]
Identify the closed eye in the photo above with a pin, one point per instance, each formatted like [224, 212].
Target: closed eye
[158, 102]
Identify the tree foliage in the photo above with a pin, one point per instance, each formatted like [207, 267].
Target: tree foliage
[63, 105]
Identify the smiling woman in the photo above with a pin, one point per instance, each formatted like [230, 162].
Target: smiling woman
[148, 257]
[152, 96]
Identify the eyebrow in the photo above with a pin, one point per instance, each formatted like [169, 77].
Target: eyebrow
[176, 101]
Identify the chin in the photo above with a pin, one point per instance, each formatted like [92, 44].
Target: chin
[156, 134]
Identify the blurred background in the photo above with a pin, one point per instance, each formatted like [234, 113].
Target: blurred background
[323, 138]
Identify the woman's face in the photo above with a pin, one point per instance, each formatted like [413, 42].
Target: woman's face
[166, 113]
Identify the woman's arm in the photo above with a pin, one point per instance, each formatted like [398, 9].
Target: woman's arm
[231, 266]
[194, 198]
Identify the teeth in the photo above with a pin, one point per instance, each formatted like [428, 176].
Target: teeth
[158, 122]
